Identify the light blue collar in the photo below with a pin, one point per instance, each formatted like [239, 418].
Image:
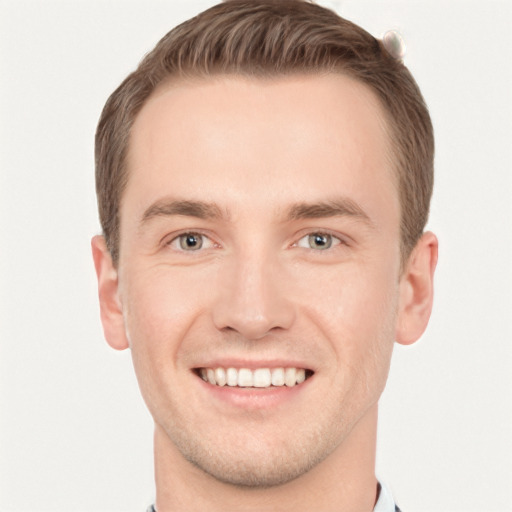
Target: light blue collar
[385, 503]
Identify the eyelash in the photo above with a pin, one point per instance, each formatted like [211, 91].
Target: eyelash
[177, 242]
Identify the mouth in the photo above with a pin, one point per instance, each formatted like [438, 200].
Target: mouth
[254, 378]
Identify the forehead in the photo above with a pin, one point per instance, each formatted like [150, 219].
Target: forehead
[244, 140]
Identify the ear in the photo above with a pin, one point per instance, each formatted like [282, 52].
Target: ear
[110, 305]
[417, 290]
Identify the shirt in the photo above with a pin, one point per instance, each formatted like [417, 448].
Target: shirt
[385, 503]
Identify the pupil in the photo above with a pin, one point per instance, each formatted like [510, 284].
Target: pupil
[191, 240]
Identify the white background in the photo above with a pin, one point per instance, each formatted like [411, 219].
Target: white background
[74, 433]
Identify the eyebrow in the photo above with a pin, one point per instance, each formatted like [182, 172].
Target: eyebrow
[168, 207]
[340, 207]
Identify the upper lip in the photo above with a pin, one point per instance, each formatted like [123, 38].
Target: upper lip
[253, 364]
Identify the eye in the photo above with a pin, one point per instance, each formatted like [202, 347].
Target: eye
[318, 241]
[190, 242]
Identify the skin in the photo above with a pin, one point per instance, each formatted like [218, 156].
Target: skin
[257, 158]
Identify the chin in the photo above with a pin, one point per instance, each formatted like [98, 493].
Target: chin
[251, 461]
[258, 472]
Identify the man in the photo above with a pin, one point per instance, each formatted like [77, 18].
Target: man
[263, 181]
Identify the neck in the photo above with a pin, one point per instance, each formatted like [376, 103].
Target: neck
[345, 480]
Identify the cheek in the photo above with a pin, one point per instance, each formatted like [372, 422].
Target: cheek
[356, 296]
[356, 312]
[159, 307]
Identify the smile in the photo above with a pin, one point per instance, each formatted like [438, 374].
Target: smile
[257, 378]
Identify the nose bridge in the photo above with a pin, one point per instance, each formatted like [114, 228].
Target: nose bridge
[253, 298]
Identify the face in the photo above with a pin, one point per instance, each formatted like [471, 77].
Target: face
[260, 247]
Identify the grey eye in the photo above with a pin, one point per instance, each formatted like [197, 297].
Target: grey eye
[190, 241]
[318, 241]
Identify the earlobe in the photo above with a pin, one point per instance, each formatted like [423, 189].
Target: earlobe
[417, 290]
[110, 306]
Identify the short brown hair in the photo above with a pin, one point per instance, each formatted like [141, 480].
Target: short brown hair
[268, 38]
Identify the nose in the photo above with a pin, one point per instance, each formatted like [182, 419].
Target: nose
[253, 299]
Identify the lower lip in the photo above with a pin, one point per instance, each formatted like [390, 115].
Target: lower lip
[254, 398]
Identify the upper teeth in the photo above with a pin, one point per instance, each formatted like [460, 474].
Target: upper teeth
[259, 378]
